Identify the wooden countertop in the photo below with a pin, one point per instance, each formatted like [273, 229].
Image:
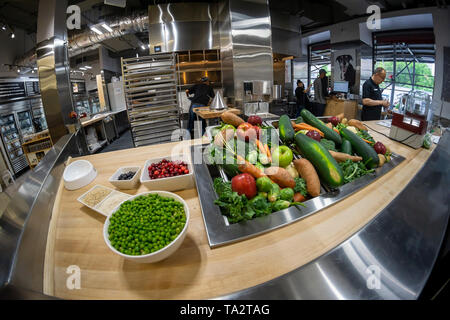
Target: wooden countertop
[196, 271]
[206, 113]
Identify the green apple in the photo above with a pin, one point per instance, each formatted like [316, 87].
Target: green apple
[283, 156]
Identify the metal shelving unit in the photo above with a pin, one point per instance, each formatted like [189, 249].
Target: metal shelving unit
[150, 87]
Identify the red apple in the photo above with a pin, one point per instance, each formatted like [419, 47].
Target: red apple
[244, 184]
[246, 132]
[255, 120]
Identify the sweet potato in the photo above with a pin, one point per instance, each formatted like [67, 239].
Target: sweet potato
[341, 157]
[357, 124]
[231, 118]
[280, 176]
[309, 173]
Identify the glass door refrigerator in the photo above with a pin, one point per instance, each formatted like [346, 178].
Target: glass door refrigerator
[12, 143]
[25, 121]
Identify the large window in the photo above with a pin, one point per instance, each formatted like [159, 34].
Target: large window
[408, 58]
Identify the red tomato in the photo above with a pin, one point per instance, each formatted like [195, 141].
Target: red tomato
[244, 184]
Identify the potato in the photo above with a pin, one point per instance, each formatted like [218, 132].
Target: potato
[382, 159]
[231, 118]
[357, 124]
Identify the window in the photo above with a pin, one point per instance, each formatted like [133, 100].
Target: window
[319, 58]
[408, 57]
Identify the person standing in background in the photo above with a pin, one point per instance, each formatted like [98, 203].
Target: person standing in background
[202, 92]
[372, 98]
[320, 93]
[302, 97]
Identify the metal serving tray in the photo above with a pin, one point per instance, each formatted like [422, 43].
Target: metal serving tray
[220, 232]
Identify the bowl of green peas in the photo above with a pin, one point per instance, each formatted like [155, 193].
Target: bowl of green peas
[148, 227]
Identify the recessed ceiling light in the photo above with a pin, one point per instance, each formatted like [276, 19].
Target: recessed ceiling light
[3, 28]
[96, 30]
[106, 27]
[13, 35]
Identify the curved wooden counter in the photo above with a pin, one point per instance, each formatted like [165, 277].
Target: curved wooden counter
[196, 271]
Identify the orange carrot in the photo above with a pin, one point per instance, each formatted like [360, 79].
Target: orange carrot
[367, 141]
[337, 131]
[301, 126]
[260, 146]
[246, 167]
[268, 152]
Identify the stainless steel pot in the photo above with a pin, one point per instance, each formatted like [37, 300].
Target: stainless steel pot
[276, 92]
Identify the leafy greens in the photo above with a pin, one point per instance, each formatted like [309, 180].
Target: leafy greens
[353, 170]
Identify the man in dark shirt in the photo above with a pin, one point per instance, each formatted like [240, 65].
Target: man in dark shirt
[372, 98]
[302, 97]
[203, 92]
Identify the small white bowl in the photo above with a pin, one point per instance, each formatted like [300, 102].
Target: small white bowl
[126, 184]
[185, 181]
[162, 253]
[79, 174]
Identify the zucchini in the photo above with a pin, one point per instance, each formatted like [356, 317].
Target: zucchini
[287, 132]
[330, 134]
[299, 120]
[328, 169]
[362, 149]
[346, 147]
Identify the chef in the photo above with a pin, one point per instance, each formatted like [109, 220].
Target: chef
[202, 92]
[372, 98]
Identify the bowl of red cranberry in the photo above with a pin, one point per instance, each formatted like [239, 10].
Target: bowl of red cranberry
[167, 174]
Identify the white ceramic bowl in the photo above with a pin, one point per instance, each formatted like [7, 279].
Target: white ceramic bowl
[182, 182]
[162, 253]
[79, 174]
[126, 184]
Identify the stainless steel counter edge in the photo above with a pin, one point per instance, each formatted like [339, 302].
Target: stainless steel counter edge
[389, 258]
[25, 222]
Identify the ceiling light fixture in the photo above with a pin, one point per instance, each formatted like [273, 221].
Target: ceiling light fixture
[107, 28]
[84, 69]
[143, 47]
[88, 67]
[3, 27]
[13, 35]
[96, 30]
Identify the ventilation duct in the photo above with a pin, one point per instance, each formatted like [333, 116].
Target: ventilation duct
[85, 41]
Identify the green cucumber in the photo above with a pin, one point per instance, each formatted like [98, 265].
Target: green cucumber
[362, 148]
[287, 132]
[328, 169]
[329, 134]
[346, 147]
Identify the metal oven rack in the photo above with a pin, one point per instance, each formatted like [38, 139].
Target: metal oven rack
[150, 87]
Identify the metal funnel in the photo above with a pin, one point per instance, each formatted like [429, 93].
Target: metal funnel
[218, 103]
